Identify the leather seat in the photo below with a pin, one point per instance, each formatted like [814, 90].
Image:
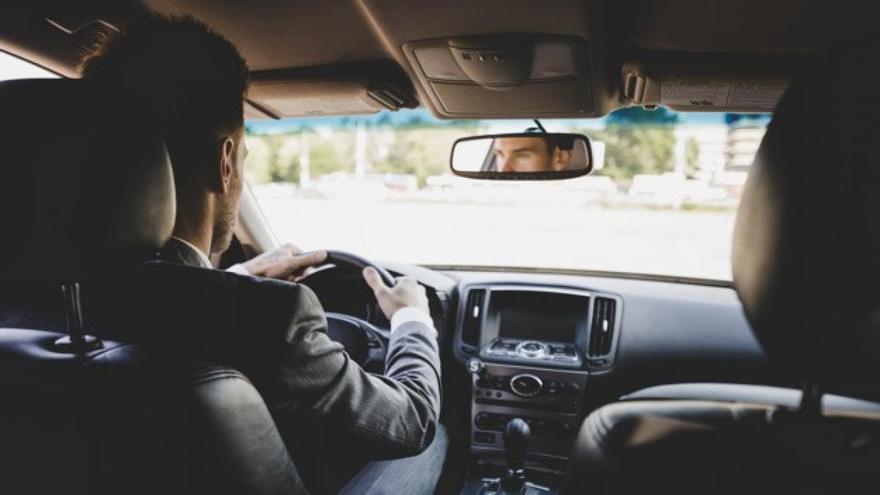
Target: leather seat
[806, 261]
[87, 192]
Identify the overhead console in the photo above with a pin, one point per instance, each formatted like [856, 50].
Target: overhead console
[505, 74]
[530, 350]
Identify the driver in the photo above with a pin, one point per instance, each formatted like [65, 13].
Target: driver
[530, 154]
[195, 81]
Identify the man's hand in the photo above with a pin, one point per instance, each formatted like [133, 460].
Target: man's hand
[286, 262]
[406, 293]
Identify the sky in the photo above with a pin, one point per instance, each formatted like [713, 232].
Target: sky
[402, 117]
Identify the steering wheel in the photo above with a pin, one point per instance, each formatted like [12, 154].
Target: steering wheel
[348, 259]
[364, 342]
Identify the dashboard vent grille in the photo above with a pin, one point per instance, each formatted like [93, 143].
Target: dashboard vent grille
[473, 315]
[602, 326]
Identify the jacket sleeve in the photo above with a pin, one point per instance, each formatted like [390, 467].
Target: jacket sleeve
[389, 416]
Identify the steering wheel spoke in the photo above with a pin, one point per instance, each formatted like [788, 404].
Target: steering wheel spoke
[366, 343]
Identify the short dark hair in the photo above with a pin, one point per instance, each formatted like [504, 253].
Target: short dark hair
[193, 79]
[563, 143]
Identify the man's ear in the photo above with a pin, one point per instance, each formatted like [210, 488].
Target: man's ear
[561, 158]
[225, 165]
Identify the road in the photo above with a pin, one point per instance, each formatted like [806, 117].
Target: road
[669, 242]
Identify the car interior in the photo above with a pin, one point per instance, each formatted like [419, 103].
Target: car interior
[554, 381]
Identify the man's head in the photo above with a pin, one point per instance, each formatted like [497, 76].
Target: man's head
[194, 80]
[530, 154]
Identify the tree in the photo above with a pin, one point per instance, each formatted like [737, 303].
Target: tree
[638, 142]
[633, 150]
[331, 154]
[272, 158]
[421, 152]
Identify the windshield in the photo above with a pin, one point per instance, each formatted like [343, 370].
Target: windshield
[661, 200]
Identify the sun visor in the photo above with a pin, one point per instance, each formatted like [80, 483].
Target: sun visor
[326, 91]
[504, 75]
[695, 86]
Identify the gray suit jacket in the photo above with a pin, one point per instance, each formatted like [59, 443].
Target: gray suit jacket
[316, 387]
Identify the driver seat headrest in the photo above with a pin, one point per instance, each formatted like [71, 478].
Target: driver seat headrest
[806, 251]
[86, 183]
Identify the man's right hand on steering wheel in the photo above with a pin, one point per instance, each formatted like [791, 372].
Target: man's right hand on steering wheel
[406, 293]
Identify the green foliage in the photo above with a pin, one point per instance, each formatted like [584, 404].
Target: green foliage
[421, 152]
[330, 154]
[272, 159]
[632, 150]
[637, 141]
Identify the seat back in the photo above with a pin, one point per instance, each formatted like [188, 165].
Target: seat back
[87, 194]
[726, 439]
[127, 419]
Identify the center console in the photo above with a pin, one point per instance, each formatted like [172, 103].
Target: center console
[530, 351]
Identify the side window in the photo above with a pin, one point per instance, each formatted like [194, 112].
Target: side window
[12, 67]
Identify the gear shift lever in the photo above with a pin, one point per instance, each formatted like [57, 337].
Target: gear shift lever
[516, 440]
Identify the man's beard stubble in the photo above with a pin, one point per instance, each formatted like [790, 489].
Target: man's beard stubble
[224, 224]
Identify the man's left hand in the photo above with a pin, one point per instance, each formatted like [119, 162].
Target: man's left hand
[286, 262]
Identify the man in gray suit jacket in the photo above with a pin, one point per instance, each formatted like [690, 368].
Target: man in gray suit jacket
[195, 81]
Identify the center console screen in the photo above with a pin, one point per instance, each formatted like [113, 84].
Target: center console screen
[536, 315]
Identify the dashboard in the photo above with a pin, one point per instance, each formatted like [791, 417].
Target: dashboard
[551, 348]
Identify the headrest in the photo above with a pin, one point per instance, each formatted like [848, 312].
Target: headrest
[806, 249]
[86, 181]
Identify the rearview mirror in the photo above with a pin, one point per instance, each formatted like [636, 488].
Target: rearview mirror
[523, 156]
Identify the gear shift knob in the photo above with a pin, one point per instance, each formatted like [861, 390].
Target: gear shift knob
[516, 440]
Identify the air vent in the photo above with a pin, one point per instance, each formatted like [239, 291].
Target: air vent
[602, 326]
[473, 316]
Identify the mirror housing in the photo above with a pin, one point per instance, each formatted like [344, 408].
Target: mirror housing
[522, 156]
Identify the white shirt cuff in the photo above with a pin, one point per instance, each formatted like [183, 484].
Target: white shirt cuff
[239, 269]
[410, 314]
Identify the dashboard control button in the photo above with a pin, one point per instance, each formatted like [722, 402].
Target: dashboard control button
[531, 349]
[484, 437]
[526, 385]
[483, 421]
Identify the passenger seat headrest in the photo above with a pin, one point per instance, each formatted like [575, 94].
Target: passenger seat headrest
[806, 250]
[86, 181]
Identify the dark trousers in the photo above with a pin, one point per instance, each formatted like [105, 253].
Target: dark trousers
[411, 475]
